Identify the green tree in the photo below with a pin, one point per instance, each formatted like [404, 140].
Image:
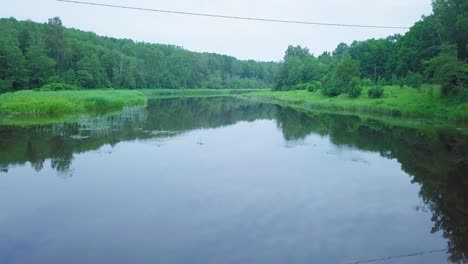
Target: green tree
[299, 67]
[451, 20]
[90, 73]
[414, 79]
[447, 70]
[40, 66]
[13, 71]
[345, 71]
[55, 40]
[355, 88]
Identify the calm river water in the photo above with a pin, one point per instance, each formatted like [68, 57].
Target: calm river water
[223, 180]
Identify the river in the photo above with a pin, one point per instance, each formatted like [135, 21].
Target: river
[225, 180]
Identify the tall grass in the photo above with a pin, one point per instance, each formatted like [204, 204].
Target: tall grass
[397, 101]
[67, 102]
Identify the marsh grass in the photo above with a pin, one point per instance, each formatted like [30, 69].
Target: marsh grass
[56, 103]
[396, 102]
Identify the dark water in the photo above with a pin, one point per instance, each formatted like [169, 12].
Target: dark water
[222, 180]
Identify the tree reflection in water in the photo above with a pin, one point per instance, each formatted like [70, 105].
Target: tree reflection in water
[435, 158]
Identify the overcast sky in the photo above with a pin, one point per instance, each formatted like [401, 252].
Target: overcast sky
[242, 39]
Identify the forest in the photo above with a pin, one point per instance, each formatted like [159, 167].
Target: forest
[36, 54]
[433, 51]
[50, 57]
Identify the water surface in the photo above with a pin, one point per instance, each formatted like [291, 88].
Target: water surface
[222, 180]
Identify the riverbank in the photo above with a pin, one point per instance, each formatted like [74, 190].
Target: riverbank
[29, 102]
[44, 107]
[54, 103]
[396, 102]
[172, 93]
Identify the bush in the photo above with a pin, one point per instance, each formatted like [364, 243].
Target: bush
[355, 88]
[59, 87]
[5, 86]
[54, 79]
[300, 86]
[330, 88]
[414, 79]
[375, 92]
[331, 91]
[314, 86]
[367, 82]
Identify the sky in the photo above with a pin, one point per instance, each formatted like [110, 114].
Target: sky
[243, 39]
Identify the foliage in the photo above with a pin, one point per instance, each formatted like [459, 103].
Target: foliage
[59, 87]
[345, 71]
[67, 102]
[434, 50]
[314, 86]
[375, 92]
[330, 88]
[355, 88]
[448, 71]
[366, 82]
[33, 54]
[414, 79]
[299, 67]
[405, 102]
[13, 72]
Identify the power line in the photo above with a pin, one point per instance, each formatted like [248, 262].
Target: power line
[232, 17]
[400, 256]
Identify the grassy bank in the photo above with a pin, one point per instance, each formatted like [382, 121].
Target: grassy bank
[172, 93]
[38, 103]
[405, 102]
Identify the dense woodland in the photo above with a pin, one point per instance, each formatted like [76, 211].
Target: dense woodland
[433, 51]
[34, 54]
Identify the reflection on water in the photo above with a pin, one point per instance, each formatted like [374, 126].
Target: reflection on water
[436, 159]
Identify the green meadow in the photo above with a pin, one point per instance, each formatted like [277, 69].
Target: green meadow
[55, 103]
[396, 102]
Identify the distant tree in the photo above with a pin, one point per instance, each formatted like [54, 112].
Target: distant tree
[329, 85]
[39, 65]
[446, 70]
[56, 44]
[355, 88]
[345, 71]
[451, 22]
[299, 67]
[414, 79]
[13, 71]
[90, 72]
[341, 50]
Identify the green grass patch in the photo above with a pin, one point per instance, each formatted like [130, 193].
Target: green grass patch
[55, 103]
[396, 102]
[172, 93]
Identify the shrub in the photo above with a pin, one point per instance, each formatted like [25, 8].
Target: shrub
[414, 80]
[59, 87]
[331, 90]
[314, 86]
[54, 79]
[5, 86]
[367, 82]
[355, 88]
[375, 92]
[300, 86]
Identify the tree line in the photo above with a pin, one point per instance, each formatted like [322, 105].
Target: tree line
[433, 51]
[35, 54]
